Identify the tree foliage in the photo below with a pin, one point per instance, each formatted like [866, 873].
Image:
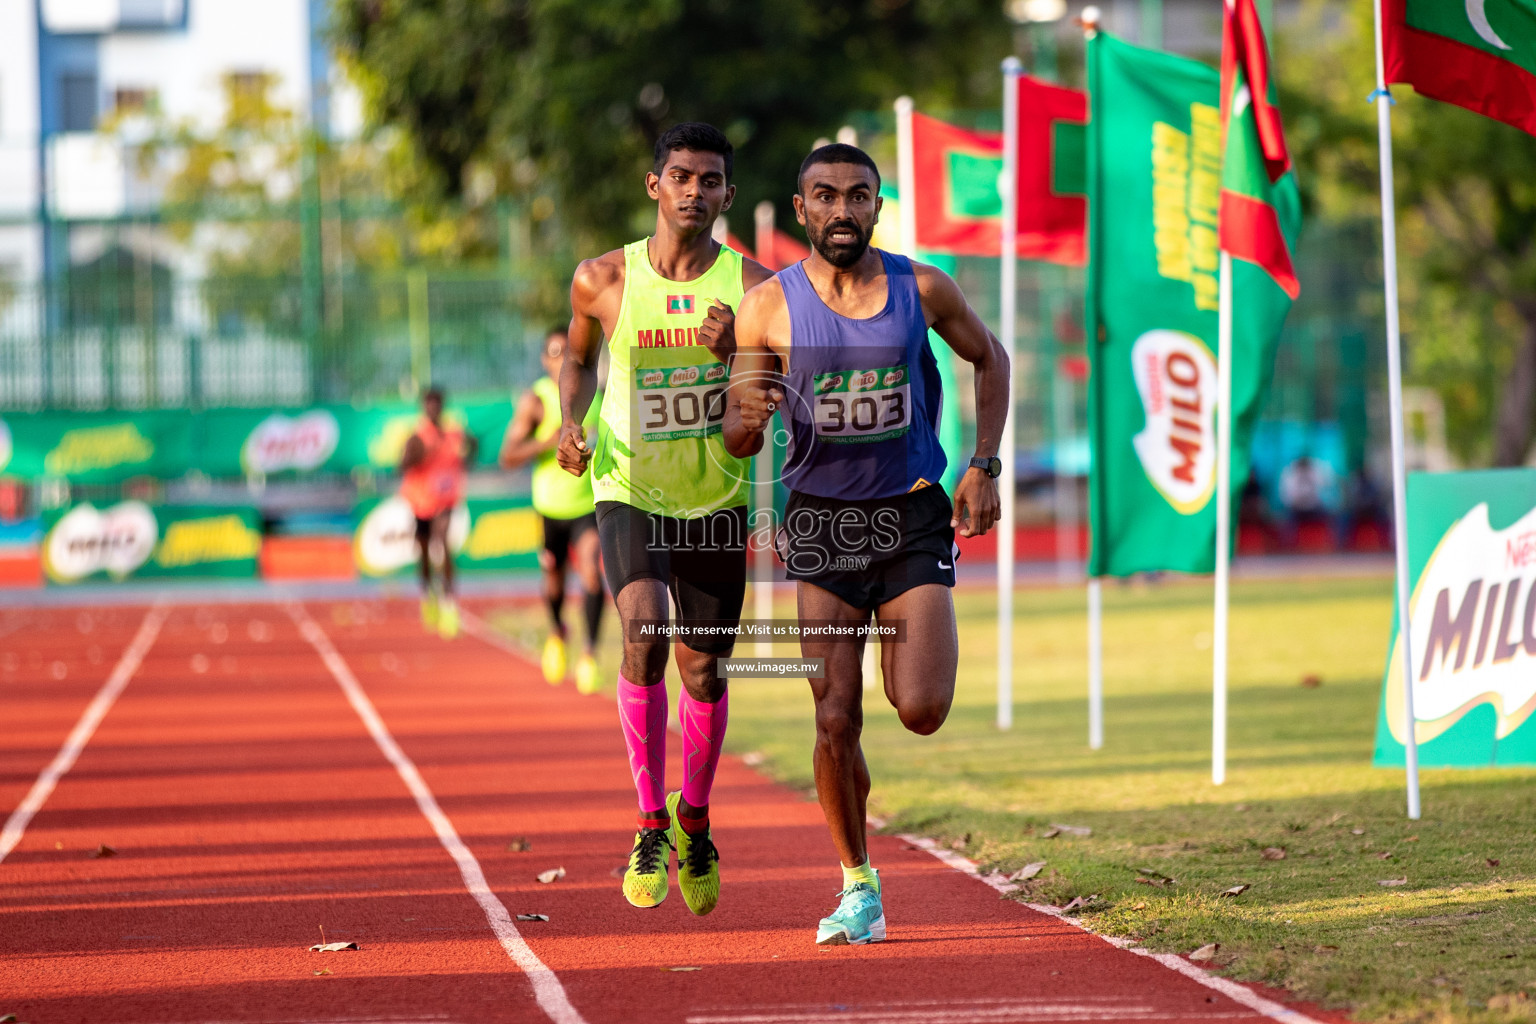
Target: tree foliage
[561, 101]
[1467, 224]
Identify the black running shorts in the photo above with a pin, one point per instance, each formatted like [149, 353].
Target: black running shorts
[869, 552]
[702, 561]
[560, 534]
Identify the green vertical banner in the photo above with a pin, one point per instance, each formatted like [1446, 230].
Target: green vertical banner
[1472, 605]
[1154, 177]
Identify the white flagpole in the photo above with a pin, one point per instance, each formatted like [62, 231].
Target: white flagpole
[1012, 69]
[1223, 525]
[1090, 20]
[1383, 100]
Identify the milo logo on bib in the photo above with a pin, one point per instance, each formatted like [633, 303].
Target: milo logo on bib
[863, 406]
[679, 402]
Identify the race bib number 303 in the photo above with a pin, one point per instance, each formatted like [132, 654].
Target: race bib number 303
[862, 406]
[673, 402]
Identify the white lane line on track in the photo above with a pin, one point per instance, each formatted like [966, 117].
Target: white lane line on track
[963, 1011]
[546, 986]
[1231, 989]
[81, 734]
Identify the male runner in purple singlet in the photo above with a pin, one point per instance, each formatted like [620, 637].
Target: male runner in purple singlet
[837, 345]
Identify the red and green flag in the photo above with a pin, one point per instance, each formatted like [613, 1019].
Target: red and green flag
[958, 204]
[1257, 185]
[1478, 54]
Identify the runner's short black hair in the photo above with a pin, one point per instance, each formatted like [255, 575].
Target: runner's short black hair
[564, 330]
[697, 137]
[435, 391]
[835, 153]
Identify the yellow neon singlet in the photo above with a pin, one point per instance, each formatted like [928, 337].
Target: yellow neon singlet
[556, 493]
[659, 444]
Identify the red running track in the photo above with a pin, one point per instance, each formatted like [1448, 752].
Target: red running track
[249, 805]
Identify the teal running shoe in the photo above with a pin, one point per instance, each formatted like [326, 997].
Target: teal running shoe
[859, 918]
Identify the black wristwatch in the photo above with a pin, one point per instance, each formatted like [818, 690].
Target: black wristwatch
[992, 465]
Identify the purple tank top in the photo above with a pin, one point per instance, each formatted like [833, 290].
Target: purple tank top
[862, 397]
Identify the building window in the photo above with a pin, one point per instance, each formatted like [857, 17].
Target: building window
[78, 99]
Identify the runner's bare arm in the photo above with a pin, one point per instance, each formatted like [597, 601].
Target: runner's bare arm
[518, 447]
[717, 332]
[414, 454]
[756, 389]
[595, 292]
[953, 319]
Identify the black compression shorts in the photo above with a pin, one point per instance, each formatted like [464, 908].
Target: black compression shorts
[869, 552]
[702, 561]
[561, 534]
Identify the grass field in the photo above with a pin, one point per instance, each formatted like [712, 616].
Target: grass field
[1455, 942]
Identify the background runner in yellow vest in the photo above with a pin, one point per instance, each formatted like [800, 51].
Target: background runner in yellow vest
[565, 507]
[671, 502]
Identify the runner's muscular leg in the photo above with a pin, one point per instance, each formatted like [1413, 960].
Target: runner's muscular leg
[645, 659]
[920, 673]
[842, 777]
[440, 537]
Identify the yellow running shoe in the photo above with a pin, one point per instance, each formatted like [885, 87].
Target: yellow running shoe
[586, 674]
[554, 662]
[698, 863]
[429, 610]
[448, 619]
[645, 880]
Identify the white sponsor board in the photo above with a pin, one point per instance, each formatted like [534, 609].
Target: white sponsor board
[1473, 624]
[86, 540]
[385, 541]
[1176, 378]
[302, 442]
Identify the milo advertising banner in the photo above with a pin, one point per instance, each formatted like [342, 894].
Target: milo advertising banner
[131, 539]
[1154, 178]
[109, 447]
[1472, 606]
[268, 442]
[96, 447]
[484, 533]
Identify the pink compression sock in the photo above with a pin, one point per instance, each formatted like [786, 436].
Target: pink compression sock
[703, 735]
[643, 716]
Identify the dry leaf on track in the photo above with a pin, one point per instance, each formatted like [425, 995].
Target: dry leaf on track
[1236, 890]
[682, 968]
[1079, 902]
[1206, 952]
[533, 917]
[753, 758]
[332, 947]
[549, 876]
[103, 851]
[1027, 872]
[519, 845]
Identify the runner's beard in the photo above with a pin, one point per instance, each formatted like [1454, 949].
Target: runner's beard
[841, 256]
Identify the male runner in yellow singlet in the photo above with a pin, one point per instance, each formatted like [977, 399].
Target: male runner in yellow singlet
[671, 502]
[566, 512]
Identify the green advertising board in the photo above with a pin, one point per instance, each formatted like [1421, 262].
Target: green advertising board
[134, 540]
[484, 534]
[1472, 609]
[111, 447]
[93, 447]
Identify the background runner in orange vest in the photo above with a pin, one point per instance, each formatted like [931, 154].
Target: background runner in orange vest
[432, 481]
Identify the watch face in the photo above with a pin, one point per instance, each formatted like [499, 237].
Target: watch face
[995, 467]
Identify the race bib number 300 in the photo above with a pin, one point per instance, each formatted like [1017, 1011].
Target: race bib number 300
[680, 401]
[858, 407]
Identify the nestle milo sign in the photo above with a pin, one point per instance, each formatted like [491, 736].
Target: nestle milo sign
[1472, 559]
